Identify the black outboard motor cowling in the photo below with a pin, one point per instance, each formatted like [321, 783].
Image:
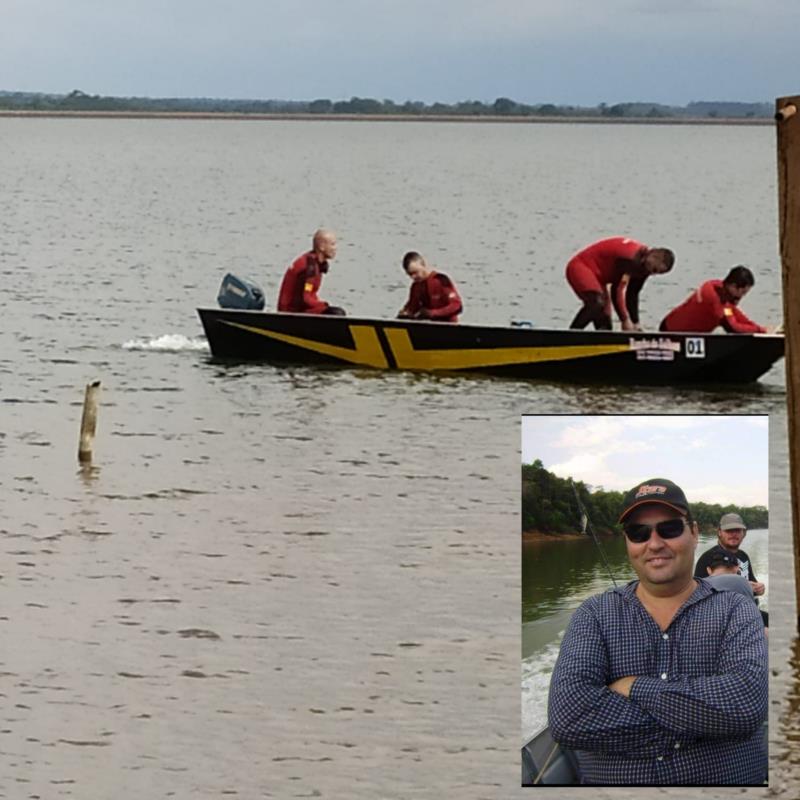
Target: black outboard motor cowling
[238, 293]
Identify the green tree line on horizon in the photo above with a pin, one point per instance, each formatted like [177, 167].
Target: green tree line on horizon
[549, 506]
[78, 100]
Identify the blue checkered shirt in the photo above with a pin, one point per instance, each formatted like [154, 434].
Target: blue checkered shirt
[697, 707]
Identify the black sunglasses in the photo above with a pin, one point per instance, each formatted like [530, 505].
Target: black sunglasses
[639, 532]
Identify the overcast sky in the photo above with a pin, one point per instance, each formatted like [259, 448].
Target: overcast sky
[714, 459]
[580, 52]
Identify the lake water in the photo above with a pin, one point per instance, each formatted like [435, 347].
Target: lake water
[305, 582]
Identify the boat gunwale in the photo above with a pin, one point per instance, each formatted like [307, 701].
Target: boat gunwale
[469, 325]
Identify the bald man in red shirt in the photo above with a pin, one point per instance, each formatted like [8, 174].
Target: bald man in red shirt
[298, 292]
[614, 270]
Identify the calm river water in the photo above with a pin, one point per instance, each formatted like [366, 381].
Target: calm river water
[301, 582]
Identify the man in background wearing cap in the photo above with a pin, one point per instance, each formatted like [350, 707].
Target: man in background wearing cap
[722, 563]
[730, 533]
[662, 681]
[723, 574]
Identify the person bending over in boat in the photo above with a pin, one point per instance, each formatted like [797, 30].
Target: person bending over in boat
[663, 681]
[715, 303]
[302, 280]
[433, 295]
[614, 270]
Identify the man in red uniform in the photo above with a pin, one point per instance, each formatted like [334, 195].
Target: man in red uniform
[715, 303]
[623, 265]
[301, 282]
[433, 295]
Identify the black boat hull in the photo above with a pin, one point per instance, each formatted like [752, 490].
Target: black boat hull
[564, 355]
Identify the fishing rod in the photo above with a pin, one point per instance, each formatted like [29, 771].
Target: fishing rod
[531, 775]
[586, 526]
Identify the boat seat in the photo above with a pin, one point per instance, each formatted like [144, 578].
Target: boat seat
[546, 763]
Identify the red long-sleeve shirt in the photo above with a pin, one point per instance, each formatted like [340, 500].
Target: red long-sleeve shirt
[438, 295]
[300, 285]
[607, 262]
[704, 309]
[602, 257]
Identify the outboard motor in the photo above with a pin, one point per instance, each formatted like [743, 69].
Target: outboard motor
[237, 293]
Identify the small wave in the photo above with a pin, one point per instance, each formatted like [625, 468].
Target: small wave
[169, 342]
[536, 673]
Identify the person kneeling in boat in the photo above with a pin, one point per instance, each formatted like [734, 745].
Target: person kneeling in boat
[662, 681]
[433, 295]
[298, 292]
[715, 303]
[615, 270]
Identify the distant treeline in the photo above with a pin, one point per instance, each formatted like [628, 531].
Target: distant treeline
[549, 506]
[78, 100]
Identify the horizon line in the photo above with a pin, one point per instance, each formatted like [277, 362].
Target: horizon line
[384, 100]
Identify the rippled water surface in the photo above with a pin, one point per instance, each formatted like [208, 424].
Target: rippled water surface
[303, 582]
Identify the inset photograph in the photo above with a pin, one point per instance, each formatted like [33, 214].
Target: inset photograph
[645, 600]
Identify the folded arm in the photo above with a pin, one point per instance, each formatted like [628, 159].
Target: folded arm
[731, 704]
[583, 713]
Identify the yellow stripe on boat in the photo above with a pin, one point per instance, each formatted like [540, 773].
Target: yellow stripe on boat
[408, 358]
[367, 351]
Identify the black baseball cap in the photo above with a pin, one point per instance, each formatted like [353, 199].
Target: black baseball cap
[655, 490]
[720, 558]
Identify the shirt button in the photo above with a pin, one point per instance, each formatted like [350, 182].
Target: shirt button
[663, 676]
[665, 636]
[659, 758]
[677, 745]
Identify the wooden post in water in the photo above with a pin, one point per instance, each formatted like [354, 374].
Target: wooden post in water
[88, 422]
[788, 131]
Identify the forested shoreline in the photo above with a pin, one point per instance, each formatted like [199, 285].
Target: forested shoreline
[549, 506]
[504, 107]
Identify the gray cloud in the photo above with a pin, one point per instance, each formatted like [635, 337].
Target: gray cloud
[574, 51]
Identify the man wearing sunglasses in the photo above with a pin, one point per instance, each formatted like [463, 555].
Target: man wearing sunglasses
[662, 681]
[730, 534]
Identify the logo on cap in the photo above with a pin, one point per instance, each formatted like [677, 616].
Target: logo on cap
[646, 490]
